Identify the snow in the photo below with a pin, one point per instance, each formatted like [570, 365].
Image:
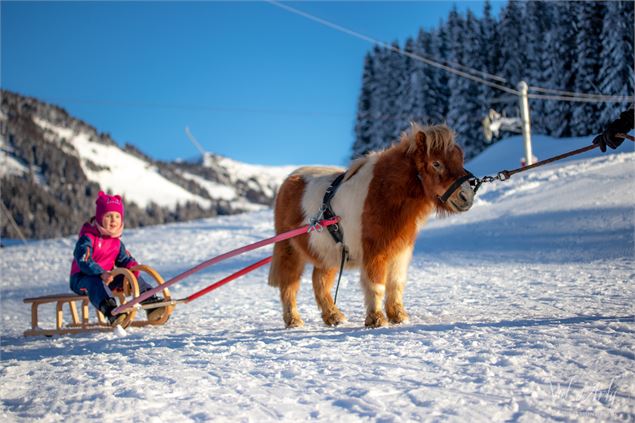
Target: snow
[268, 177]
[520, 309]
[123, 173]
[8, 164]
[216, 190]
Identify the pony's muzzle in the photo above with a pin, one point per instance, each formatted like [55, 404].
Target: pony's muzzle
[463, 198]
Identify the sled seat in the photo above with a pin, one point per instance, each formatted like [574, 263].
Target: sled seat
[76, 325]
[130, 289]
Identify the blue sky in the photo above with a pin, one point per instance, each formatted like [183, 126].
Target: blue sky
[252, 81]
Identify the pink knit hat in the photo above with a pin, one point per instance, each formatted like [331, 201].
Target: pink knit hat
[108, 203]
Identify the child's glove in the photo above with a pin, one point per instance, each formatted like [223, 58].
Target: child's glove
[106, 277]
[619, 126]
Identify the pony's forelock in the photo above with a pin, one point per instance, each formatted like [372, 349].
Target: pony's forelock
[438, 138]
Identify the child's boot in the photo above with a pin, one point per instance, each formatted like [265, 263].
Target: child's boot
[154, 314]
[106, 307]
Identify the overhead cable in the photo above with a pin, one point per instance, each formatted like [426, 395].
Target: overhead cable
[562, 93]
[392, 48]
[606, 99]
[566, 95]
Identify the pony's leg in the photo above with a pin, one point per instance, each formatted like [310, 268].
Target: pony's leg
[374, 286]
[395, 284]
[322, 283]
[285, 272]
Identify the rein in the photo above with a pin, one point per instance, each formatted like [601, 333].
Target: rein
[504, 175]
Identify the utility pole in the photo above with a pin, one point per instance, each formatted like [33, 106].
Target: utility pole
[526, 126]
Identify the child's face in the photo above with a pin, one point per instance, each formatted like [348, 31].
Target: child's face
[111, 221]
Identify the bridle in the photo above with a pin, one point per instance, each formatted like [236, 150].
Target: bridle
[474, 182]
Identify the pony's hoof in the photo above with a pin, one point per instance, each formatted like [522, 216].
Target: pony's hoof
[334, 318]
[293, 322]
[375, 320]
[398, 317]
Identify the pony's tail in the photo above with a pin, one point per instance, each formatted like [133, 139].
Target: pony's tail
[286, 265]
[276, 266]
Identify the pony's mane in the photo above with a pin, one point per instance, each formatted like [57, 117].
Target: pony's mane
[438, 138]
[355, 166]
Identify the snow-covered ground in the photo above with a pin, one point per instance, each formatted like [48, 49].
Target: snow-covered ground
[521, 309]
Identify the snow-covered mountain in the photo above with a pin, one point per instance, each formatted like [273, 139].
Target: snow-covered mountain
[53, 165]
[520, 310]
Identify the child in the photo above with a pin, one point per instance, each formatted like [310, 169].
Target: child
[97, 251]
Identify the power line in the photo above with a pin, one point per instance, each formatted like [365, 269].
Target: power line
[607, 99]
[389, 47]
[194, 107]
[565, 95]
[570, 94]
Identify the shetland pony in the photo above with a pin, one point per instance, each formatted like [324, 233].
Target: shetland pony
[383, 201]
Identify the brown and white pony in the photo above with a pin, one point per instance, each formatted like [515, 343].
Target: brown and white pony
[383, 201]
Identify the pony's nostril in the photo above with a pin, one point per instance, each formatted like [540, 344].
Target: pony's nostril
[462, 196]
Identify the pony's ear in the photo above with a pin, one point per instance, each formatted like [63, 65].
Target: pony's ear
[420, 138]
[414, 141]
[417, 142]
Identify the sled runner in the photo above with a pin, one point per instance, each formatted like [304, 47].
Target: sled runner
[83, 323]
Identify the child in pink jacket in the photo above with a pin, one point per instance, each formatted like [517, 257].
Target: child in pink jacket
[97, 252]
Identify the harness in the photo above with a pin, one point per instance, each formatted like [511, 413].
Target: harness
[326, 213]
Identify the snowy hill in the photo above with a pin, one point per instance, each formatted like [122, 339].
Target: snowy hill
[51, 160]
[521, 310]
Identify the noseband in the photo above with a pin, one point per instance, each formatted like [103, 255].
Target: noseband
[475, 183]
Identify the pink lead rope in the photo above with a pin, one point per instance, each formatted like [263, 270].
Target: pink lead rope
[281, 237]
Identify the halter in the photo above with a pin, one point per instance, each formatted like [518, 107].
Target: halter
[475, 183]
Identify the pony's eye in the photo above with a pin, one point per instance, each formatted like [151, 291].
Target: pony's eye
[437, 165]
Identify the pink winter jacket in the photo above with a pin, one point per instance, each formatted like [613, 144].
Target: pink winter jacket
[95, 253]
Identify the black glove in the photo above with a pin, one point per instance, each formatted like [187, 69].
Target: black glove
[620, 126]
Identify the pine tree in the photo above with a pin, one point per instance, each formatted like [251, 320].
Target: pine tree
[413, 86]
[379, 96]
[537, 24]
[512, 56]
[456, 117]
[476, 101]
[390, 110]
[557, 45]
[363, 130]
[585, 116]
[560, 57]
[437, 101]
[491, 41]
[616, 75]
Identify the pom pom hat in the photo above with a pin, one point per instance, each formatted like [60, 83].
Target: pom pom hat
[108, 203]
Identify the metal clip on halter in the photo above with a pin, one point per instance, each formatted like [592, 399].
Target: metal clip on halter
[503, 175]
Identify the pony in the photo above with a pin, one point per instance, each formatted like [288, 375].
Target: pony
[383, 201]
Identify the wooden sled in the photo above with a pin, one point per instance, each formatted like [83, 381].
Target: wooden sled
[76, 325]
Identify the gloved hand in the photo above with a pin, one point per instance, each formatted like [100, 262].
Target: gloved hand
[619, 126]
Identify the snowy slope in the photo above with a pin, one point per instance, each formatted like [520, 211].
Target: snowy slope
[123, 173]
[521, 309]
[120, 172]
